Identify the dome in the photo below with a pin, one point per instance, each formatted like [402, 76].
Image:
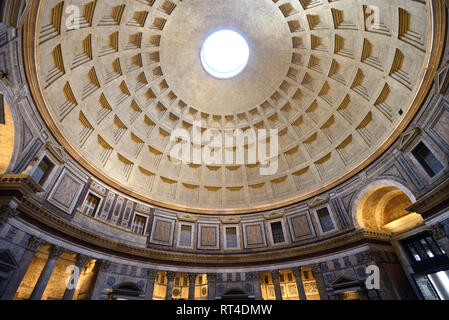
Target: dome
[238, 149]
[328, 83]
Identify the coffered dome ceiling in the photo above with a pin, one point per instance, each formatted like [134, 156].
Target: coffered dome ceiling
[338, 79]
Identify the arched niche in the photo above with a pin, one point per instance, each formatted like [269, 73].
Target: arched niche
[381, 206]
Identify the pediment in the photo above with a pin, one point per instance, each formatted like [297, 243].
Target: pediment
[186, 217]
[57, 151]
[230, 220]
[274, 215]
[407, 137]
[344, 281]
[318, 201]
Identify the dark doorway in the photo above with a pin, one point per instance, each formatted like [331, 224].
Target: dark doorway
[236, 294]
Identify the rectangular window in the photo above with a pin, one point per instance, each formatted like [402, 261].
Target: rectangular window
[281, 278]
[91, 205]
[231, 237]
[277, 232]
[427, 159]
[306, 275]
[43, 170]
[138, 224]
[325, 219]
[185, 236]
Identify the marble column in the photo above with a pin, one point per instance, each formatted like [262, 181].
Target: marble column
[192, 279]
[255, 278]
[19, 273]
[321, 286]
[39, 288]
[211, 286]
[169, 292]
[101, 267]
[277, 285]
[80, 262]
[299, 284]
[151, 275]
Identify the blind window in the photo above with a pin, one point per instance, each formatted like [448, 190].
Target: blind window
[325, 220]
[185, 237]
[231, 238]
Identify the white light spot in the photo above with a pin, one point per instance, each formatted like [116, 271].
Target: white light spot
[224, 54]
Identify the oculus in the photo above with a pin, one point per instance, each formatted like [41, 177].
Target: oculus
[224, 54]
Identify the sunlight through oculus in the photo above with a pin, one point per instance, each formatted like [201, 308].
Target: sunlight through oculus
[224, 54]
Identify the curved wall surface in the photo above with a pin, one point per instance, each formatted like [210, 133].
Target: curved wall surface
[55, 213]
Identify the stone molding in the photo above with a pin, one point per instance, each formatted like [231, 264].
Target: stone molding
[34, 210]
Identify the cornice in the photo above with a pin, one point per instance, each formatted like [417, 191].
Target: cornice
[32, 209]
[22, 183]
[426, 205]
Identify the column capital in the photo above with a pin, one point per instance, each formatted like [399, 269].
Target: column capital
[211, 277]
[55, 252]
[438, 229]
[275, 275]
[152, 274]
[81, 260]
[371, 256]
[253, 276]
[102, 265]
[34, 243]
[297, 272]
[316, 269]
[445, 225]
[192, 277]
[7, 212]
[171, 275]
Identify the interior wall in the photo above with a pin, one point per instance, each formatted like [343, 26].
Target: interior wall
[6, 138]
